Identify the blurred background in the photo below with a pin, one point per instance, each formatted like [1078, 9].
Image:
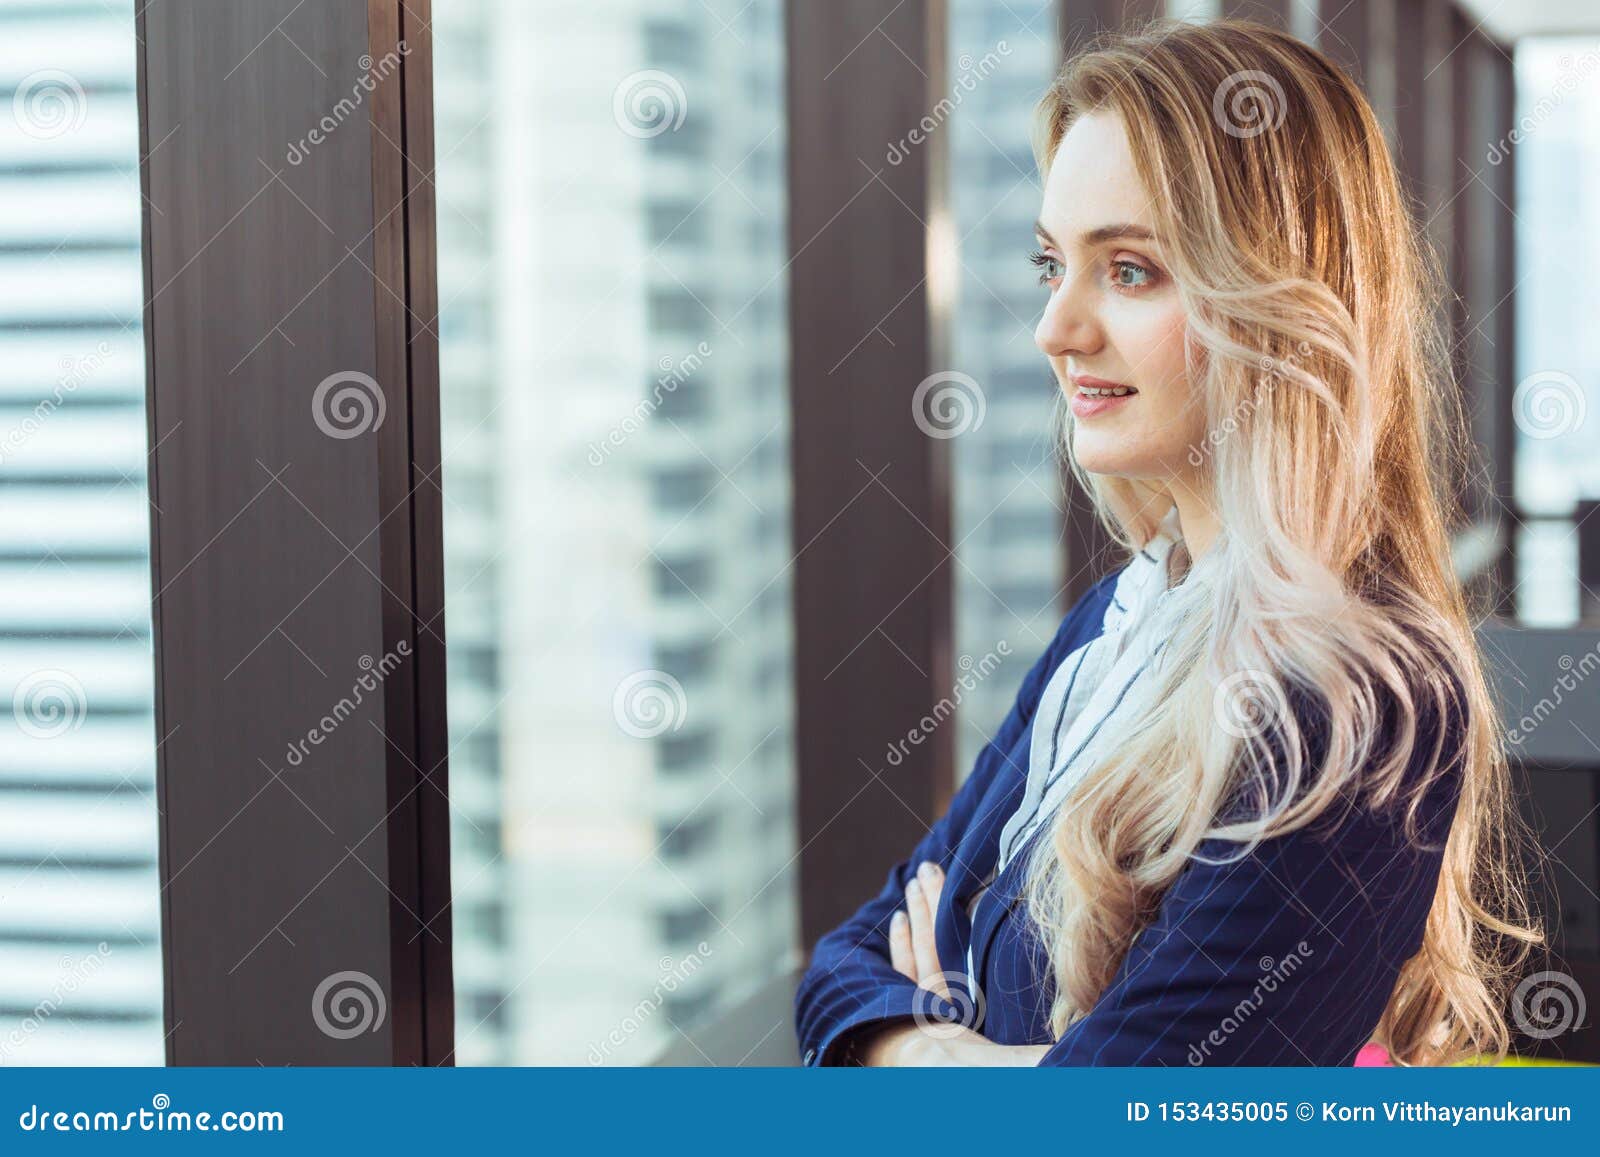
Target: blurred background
[614, 256]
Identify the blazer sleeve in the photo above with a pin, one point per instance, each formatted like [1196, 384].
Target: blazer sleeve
[850, 983]
[1288, 955]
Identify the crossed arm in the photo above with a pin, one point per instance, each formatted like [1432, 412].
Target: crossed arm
[914, 955]
[1287, 955]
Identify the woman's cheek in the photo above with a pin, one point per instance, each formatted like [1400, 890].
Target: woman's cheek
[1170, 341]
[1175, 422]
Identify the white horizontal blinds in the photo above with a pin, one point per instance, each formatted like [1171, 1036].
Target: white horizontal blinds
[80, 966]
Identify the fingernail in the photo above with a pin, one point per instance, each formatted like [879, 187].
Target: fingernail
[913, 887]
[929, 871]
[898, 918]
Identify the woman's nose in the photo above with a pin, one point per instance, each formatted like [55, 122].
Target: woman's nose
[1067, 326]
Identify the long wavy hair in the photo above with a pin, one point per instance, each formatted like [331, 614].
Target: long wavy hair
[1316, 346]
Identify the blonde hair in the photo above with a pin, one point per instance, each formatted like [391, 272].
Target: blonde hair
[1315, 346]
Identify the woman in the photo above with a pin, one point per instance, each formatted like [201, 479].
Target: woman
[1250, 805]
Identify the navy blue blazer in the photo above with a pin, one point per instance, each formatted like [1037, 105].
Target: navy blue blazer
[1287, 956]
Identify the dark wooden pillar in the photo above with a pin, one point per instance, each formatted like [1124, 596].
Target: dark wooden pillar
[871, 517]
[295, 537]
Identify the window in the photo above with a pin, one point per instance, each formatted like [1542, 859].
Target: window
[1556, 403]
[1007, 513]
[675, 222]
[687, 1012]
[1028, 385]
[681, 929]
[677, 309]
[690, 141]
[683, 578]
[688, 661]
[622, 371]
[684, 488]
[679, 401]
[80, 948]
[686, 752]
[672, 46]
[685, 838]
[1034, 526]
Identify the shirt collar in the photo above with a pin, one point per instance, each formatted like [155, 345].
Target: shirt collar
[1144, 579]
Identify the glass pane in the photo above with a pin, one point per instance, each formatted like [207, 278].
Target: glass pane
[615, 432]
[80, 936]
[1008, 519]
[1556, 403]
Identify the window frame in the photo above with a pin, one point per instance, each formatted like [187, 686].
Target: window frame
[232, 265]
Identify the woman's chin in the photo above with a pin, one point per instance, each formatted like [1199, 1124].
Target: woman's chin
[1103, 453]
[1093, 455]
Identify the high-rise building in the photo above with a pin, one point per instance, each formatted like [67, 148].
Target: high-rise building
[80, 948]
[613, 346]
[1008, 520]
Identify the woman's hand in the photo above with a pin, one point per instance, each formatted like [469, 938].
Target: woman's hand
[915, 1046]
[915, 955]
[912, 948]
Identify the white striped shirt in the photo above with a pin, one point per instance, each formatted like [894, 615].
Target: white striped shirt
[1085, 690]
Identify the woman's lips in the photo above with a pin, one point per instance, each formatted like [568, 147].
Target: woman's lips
[1090, 404]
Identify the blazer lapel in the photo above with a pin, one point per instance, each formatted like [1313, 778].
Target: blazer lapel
[974, 865]
[1004, 896]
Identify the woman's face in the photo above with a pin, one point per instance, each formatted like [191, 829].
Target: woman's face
[1113, 319]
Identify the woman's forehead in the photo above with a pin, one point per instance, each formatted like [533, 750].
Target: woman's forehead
[1092, 182]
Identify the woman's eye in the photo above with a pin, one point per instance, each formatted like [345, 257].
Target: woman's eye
[1049, 267]
[1127, 275]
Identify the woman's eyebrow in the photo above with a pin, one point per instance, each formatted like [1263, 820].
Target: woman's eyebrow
[1102, 234]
